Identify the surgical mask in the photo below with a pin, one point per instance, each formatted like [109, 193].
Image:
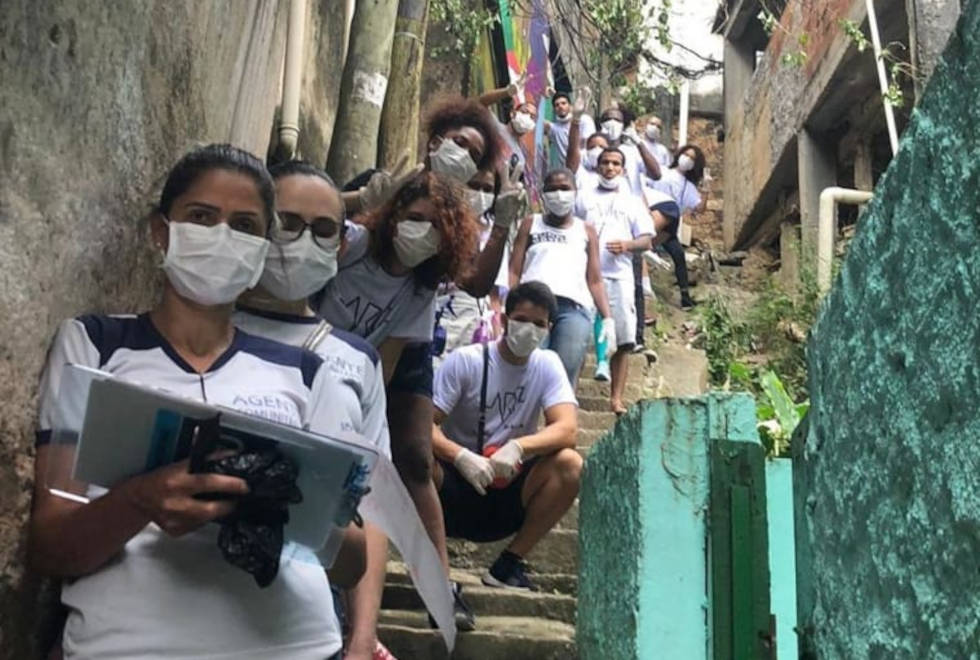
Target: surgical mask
[453, 161]
[592, 157]
[479, 200]
[685, 163]
[563, 120]
[559, 202]
[213, 265]
[522, 123]
[297, 269]
[416, 241]
[523, 337]
[653, 132]
[613, 128]
[609, 184]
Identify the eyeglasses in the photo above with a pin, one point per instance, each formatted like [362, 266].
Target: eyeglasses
[326, 231]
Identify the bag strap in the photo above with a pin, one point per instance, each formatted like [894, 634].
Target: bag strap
[481, 428]
[319, 333]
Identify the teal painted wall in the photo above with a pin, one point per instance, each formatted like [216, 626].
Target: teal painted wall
[643, 529]
[782, 554]
[888, 467]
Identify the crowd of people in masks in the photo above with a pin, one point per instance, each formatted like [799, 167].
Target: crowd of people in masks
[437, 312]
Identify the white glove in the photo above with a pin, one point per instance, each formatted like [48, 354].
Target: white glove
[608, 333]
[581, 102]
[507, 460]
[630, 136]
[382, 185]
[475, 469]
[511, 203]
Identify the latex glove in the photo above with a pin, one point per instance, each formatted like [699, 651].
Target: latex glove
[511, 203]
[581, 103]
[507, 460]
[475, 469]
[516, 88]
[630, 136]
[608, 332]
[382, 185]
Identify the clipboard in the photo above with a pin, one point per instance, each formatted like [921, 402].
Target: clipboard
[126, 429]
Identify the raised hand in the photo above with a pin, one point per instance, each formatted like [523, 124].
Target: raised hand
[517, 88]
[581, 102]
[511, 202]
[383, 185]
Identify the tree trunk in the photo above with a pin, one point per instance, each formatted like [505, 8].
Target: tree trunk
[354, 147]
[400, 118]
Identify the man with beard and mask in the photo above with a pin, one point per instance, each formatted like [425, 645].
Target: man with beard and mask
[497, 473]
[560, 127]
[624, 227]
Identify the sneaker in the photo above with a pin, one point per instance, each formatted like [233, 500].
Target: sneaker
[602, 372]
[638, 348]
[687, 302]
[509, 572]
[465, 620]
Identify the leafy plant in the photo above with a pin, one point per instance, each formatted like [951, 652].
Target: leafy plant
[778, 415]
[724, 338]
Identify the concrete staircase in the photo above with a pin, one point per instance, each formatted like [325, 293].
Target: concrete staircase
[514, 625]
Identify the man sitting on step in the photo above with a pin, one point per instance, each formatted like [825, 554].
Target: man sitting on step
[497, 473]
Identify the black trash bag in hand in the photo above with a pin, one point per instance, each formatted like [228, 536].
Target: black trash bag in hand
[251, 537]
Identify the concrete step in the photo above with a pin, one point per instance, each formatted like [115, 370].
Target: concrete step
[408, 636]
[491, 601]
[596, 420]
[548, 583]
[588, 437]
[588, 387]
[680, 372]
[556, 553]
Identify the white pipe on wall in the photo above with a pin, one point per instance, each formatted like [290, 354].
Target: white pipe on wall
[292, 78]
[827, 224]
[882, 76]
[685, 111]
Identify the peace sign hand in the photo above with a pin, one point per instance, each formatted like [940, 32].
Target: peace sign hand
[511, 203]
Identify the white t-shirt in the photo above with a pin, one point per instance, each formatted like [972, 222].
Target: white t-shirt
[516, 394]
[585, 181]
[617, 215]
[559, 133]
[634, 169]
[660, 153]
[559, 256]
[675, 184]
[163, 597]
[351, 360]
[365, 300]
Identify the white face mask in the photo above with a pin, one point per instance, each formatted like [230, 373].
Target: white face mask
[563, 119]
[213, 265]
[453, 161]
[612, 128]
[416, 241]
[609, 184]
[559, 202]
[479, 200]
[653, 132]
[685, 163]
[297, 269]
[592, 157]
[522, 122]
[523, 337]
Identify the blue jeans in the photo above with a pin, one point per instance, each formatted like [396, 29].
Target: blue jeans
[569, 337]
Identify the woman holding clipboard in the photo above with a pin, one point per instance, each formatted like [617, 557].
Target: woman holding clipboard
[143, 575]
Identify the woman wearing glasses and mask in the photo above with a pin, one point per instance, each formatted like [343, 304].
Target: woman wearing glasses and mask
[144, 577]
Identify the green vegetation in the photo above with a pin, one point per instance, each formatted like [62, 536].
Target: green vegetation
[763, 351]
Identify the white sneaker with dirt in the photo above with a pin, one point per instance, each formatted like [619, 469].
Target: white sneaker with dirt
[602, 373]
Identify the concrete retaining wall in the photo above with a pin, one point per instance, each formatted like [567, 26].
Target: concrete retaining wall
[887, 474]
[97, 101]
